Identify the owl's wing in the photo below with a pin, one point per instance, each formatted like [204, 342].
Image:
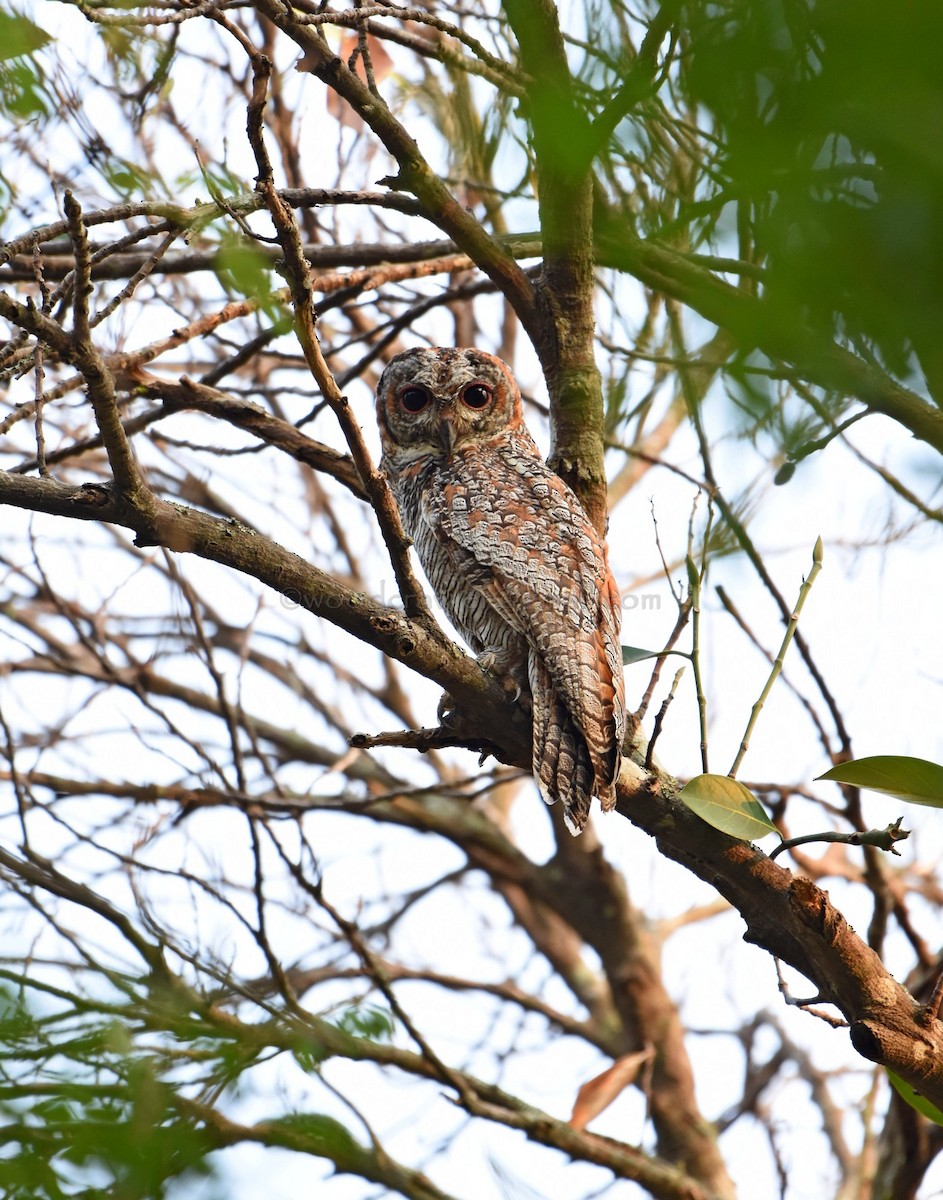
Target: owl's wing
[539, 563]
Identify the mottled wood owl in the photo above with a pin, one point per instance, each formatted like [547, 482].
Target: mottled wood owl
[513, 559]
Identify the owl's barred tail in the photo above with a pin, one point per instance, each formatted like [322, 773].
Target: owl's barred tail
[564, 767]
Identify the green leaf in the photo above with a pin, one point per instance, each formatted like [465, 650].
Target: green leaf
[912, 779]
[127, 179]
[727, 805]
[368, 1020]
[23, 94]
[309, 1058]
[325, 1135]
[247, 266]
[19, 35]
[243, 267]
[634, 654]
[912, 1097]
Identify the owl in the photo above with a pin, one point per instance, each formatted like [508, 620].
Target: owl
[513, 559]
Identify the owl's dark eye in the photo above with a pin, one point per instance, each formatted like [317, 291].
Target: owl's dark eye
[414, 399]
[477, 395]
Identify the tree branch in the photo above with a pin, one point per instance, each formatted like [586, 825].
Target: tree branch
[795, 921]
[753, 322]
[414, 174]
[566, 319]
[185, 530]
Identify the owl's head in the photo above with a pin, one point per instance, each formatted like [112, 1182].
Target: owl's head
[433, 402]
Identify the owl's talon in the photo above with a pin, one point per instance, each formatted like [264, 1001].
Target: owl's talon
[504, 665]
[510, 686]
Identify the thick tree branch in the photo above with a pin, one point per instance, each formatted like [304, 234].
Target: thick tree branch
[794, 920]
[315, 1135]
[197, 397]
[179, 216]
[185, 530]
[566, 326]
[98, 378]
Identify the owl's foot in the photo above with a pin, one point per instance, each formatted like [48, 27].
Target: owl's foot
[505, 667]
[520, 695]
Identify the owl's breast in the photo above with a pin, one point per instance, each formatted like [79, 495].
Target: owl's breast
[431, 495]
[412, 484]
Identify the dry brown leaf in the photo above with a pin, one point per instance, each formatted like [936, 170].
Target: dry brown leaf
[381, 63]
[596, 1095]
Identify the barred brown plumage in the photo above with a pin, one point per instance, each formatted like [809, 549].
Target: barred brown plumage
[512, 557]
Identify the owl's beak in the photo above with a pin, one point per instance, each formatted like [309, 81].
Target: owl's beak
[447, 434]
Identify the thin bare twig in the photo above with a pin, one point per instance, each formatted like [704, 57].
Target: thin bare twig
[298, 269]
[98, 378]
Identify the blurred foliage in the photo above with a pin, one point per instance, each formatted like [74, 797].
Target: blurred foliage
[84, 1110]
[369, 1021]
[95, 1102]
[244, 269]
[829, 118]
[19, 36]
[23, 93]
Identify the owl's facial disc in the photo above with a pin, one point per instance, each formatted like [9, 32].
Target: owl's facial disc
[439, 401]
